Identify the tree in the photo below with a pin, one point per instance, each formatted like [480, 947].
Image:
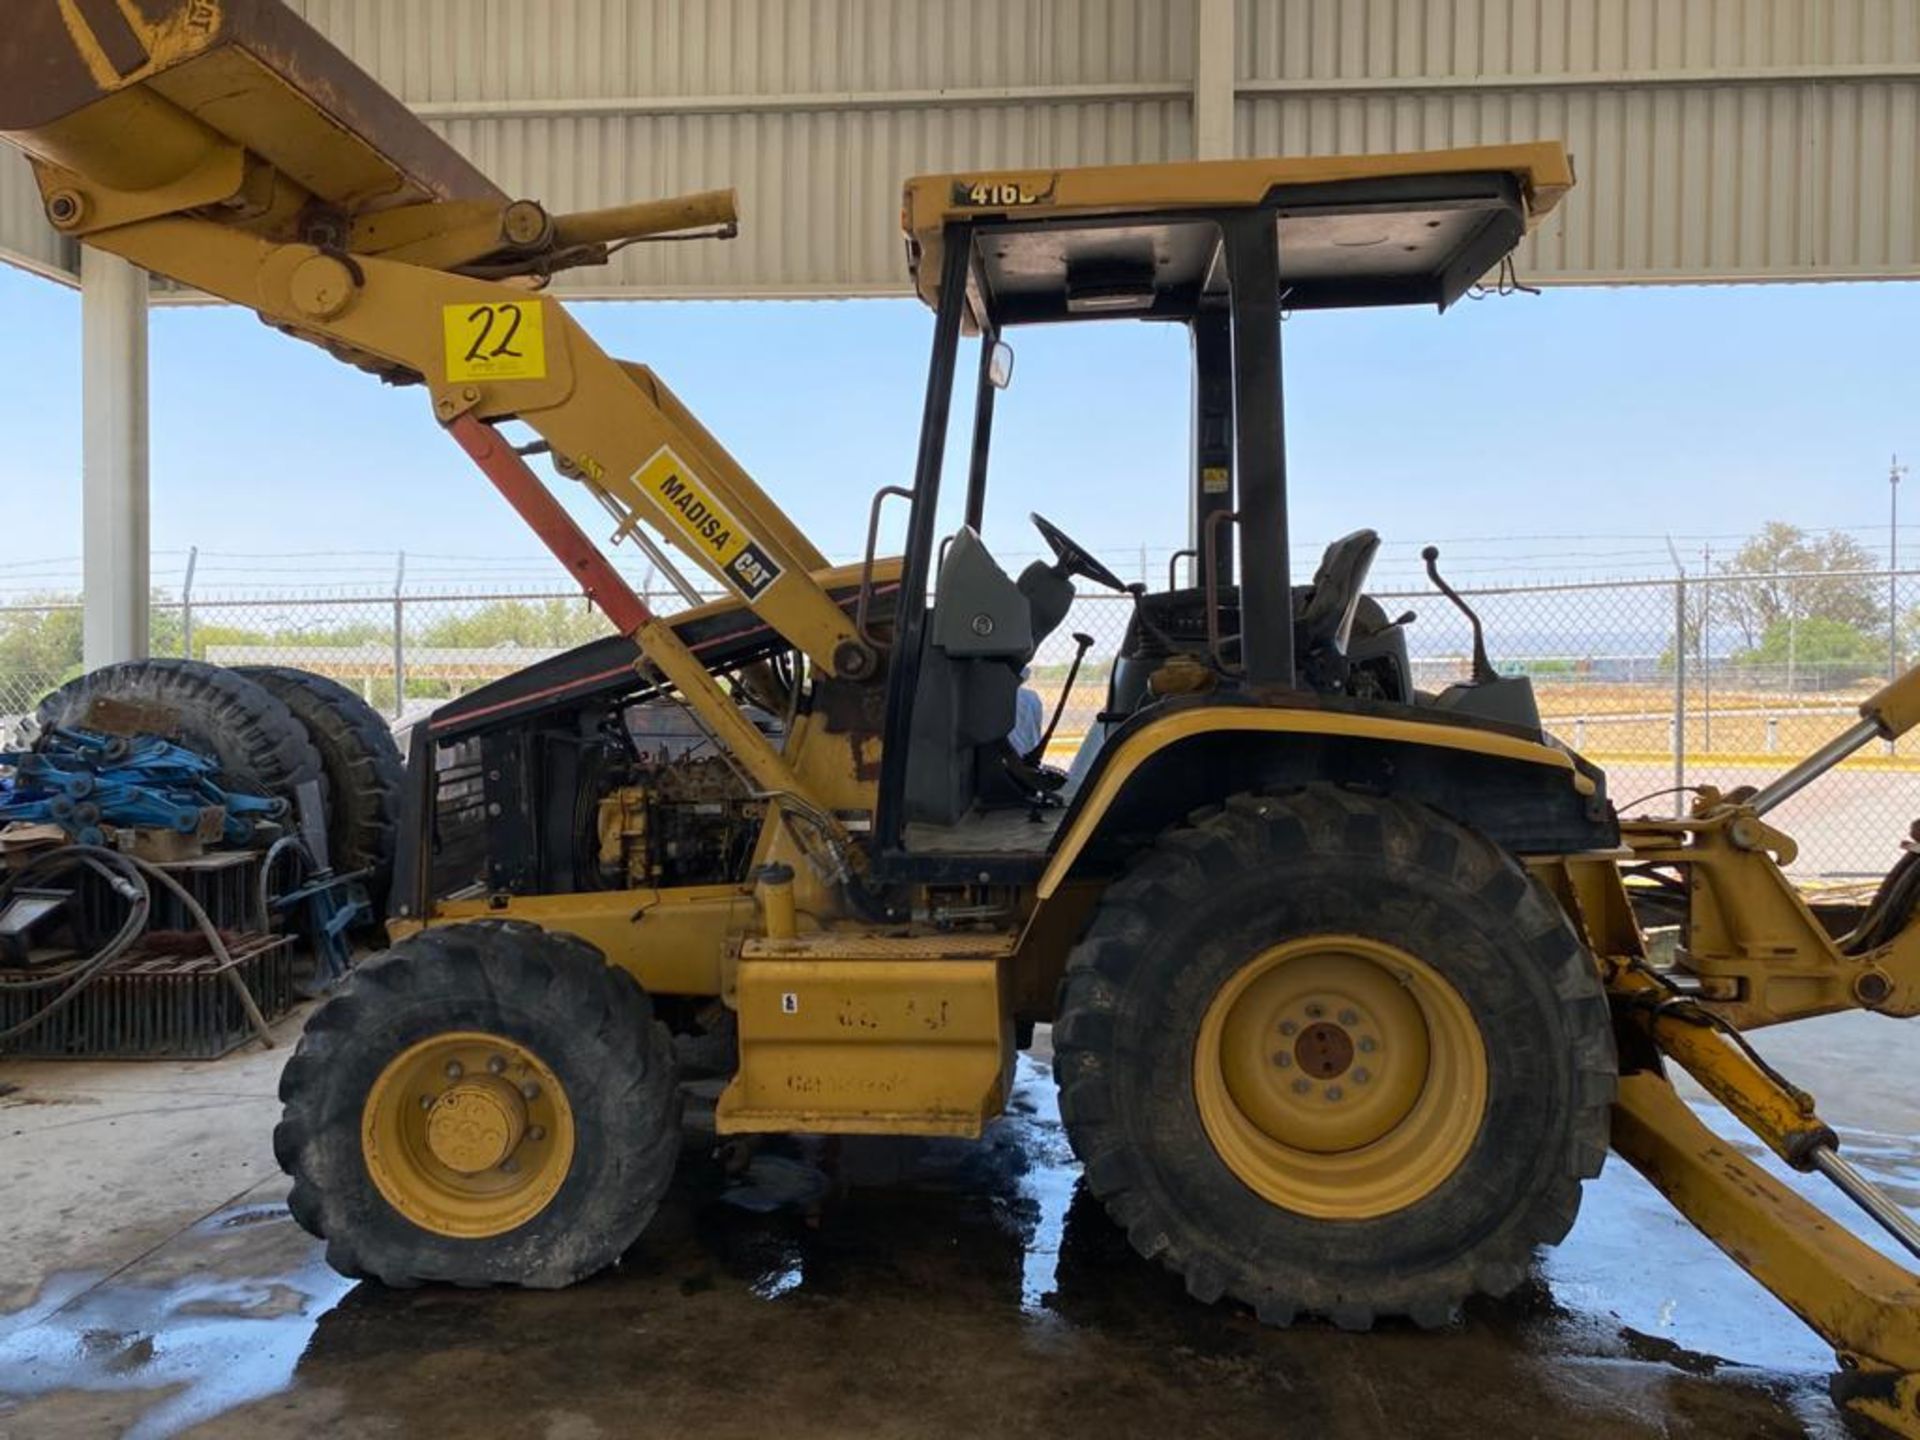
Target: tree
[1800, 578]
[1813, 654]
[39, 647]
[545, 624]
[1815, 641]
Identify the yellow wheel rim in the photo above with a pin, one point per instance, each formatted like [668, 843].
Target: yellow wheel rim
[1340, 1077]
[467, 1134]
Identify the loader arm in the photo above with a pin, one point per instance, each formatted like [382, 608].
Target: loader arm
[226, 145]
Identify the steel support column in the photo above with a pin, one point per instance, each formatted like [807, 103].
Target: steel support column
[1260, 450]
[1210, 488]
[113, 457]
[1214, 76]
[1213, 79]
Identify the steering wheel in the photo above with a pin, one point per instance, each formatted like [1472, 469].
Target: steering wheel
[1070, 559]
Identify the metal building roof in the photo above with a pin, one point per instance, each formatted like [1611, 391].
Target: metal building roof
[1715, 139]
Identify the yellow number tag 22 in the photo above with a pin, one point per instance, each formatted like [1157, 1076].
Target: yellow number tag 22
[497, 340]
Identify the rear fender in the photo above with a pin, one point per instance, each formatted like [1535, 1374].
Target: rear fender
[1528, 797]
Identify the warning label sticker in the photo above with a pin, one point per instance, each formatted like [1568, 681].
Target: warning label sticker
[706, 524]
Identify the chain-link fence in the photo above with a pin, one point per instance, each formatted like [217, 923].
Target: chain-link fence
[1721, 680]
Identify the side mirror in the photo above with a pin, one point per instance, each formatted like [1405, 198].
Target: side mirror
[1000, 365]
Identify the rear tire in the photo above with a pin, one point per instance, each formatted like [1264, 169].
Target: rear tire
[371, 1178]
[260, 746]
[363, 768]
[1237, 1185]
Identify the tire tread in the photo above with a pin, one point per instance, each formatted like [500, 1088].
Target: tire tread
[1272, 831]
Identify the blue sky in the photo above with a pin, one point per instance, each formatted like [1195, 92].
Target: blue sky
[1559, 434]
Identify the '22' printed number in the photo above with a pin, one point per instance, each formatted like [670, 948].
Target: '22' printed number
[485, 317]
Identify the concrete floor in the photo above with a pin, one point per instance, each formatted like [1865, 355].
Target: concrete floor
[152, 1285]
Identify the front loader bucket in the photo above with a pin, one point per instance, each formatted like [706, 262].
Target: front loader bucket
[177, 100]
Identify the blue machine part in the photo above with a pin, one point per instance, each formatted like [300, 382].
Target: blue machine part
[82, 781]
[326, 907]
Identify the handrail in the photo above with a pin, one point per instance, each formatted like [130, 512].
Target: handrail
[866, 562]
[1210, 540]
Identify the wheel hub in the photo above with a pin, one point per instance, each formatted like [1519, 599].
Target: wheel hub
[476, 1125]
[1324, 1050]
[467, 1134]
[1340, 1076]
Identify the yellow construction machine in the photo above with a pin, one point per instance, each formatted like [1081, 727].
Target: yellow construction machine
[1350, 985]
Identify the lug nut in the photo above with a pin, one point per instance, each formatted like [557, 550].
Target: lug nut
[530, 1090]
[455, 1070]
[1282, 1059]
[509, 1165]
[426, 1102]
[1334, 1092]
[1367, 1045]
[536, 1132]
[1361, 1076]
[1287, 1027]
[1349, 1017]
[1315, 1011]
[496, 1065]
[1302, 1085]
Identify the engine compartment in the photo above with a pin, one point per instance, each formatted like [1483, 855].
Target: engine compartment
[672, 812]
[628, 794]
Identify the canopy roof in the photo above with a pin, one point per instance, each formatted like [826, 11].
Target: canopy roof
[1141, 239]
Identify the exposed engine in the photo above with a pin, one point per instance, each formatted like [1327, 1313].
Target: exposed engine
[676, 821]
[616, 796]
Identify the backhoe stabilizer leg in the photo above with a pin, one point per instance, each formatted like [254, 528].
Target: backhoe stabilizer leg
[1858, 1301]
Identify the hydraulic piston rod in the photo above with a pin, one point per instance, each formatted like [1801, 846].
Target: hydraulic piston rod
[1888, 714]
[1868, 1196]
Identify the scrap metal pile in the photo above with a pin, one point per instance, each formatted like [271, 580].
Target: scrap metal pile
[88, 784]
[165, 841]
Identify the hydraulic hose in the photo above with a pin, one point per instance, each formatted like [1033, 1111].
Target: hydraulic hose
[1891, 907]
[132, 879]
[216, 942]
[123, 874]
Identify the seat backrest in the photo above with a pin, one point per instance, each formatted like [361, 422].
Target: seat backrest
[979, 636]
[977, 611]
[1327, 617]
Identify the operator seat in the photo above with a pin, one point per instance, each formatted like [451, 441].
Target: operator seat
[980, 635]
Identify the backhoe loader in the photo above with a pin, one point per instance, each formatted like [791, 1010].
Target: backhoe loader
[1350, 984]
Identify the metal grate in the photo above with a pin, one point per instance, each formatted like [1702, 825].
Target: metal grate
[225, 883]
[149, 1006]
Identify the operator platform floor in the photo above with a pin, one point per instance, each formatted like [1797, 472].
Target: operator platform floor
[152, 1285]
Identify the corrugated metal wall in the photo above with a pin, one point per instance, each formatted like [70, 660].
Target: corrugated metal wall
[814, 110]
[1716, 139]
[25, 237]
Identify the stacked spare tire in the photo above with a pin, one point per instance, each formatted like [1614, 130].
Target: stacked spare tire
[272, 729]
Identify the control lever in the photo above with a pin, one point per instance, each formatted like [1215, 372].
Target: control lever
[1483, 671]
[1082, 643]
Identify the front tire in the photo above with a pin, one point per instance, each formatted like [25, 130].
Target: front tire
[485, 1103]
[1335, 1054]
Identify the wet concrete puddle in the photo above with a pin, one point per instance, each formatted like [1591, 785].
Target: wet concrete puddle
[978, 1278]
